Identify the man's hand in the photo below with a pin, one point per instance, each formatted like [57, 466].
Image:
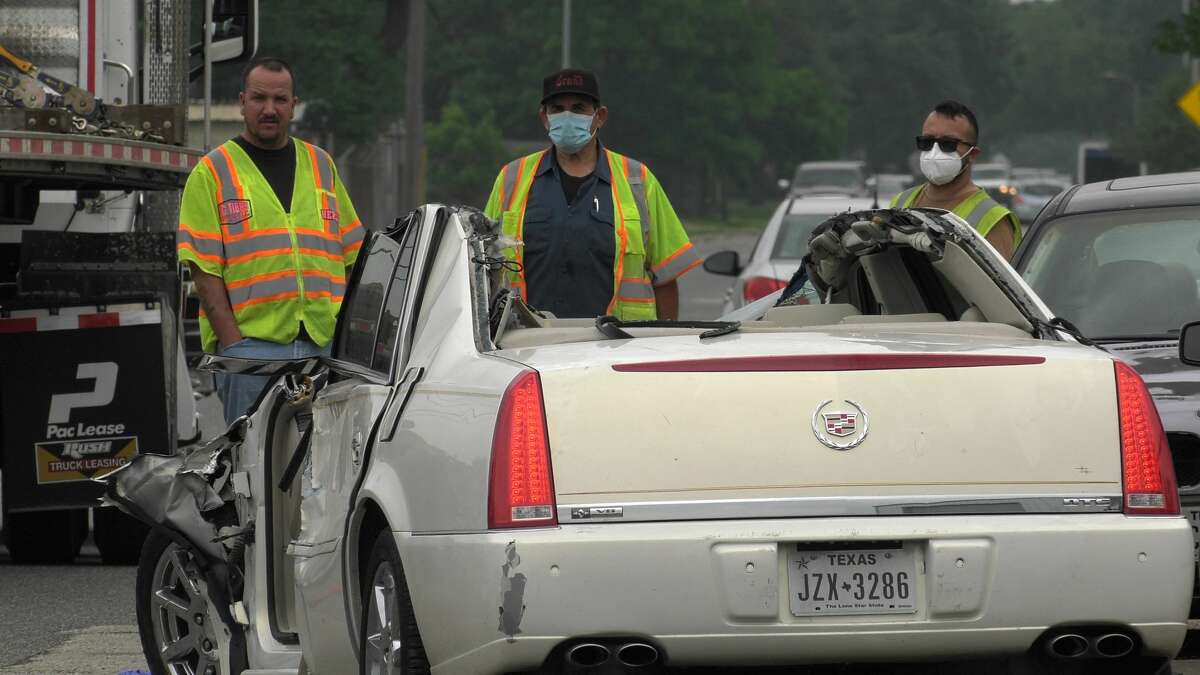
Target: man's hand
[1001, 238]
[215, 300]
[666, 297]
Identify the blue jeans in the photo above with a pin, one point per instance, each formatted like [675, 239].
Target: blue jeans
[239, 392]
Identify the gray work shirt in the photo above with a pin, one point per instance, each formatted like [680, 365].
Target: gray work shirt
[570, 248]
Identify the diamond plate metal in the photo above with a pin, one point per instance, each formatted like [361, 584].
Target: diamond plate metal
[45, 32]
[165, 51]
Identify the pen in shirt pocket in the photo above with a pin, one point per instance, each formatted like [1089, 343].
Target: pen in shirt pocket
[596, 202]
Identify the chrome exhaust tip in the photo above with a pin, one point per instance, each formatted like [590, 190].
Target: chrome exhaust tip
[587, 655]
[637, 655]
[1067, 646]
[1113, 645]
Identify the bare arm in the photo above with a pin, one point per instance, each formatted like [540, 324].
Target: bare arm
[215, 300]
[667, 299]
[1001, 237]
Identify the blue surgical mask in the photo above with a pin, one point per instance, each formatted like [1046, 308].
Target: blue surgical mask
[570, 131]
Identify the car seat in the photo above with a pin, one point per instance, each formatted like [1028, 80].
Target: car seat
[1138, 297]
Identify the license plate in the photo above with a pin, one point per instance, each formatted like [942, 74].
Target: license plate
[823, 582]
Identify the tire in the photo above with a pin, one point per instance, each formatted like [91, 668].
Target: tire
[118, 536]
[172, 613]
[389, 640]
[45, 537]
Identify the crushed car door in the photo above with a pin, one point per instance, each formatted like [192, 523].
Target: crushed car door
[345, 416]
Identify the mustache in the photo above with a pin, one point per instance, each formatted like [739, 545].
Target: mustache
[268, 118]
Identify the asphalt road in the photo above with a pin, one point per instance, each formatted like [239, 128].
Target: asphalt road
[81, 618]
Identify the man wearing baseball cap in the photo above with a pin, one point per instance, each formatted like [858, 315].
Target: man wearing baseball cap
[598, 235]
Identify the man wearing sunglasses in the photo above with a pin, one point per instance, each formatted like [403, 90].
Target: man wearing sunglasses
[949, 145]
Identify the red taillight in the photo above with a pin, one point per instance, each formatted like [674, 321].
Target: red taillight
[521, 489]
[760, 287]
[1148, 475]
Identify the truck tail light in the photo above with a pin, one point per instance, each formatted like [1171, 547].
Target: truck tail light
[761, 287]
[521, 486]
[1148, 476]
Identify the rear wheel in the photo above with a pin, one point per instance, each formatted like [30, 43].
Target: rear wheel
[172, 611]
[118, 536]
[45, 537]
[389, 640]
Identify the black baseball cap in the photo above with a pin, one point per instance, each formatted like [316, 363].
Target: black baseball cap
[570, 81]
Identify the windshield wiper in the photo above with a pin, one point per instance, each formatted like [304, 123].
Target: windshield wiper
[1135, 338]
[611, 327]
[1060, 324]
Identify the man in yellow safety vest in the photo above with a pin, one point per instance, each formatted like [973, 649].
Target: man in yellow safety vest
[949, 130]
[268, 230]
[598, 235]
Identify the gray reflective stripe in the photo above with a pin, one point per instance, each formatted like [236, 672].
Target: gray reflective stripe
[352, 237]
[262, 289]
[225, 180]
[319, 243]
[636, 290]
[318, 284]
[678, 266]
[202, 246]
[638, 187]
[510, 183]
[902, 201]
[975, 216]
[266, 242]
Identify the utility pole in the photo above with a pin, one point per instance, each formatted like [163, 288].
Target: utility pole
[414, 106]
[566, 34]
[208, 20]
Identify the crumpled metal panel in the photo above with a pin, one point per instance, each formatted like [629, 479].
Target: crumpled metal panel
[189, 492]
[45, 32]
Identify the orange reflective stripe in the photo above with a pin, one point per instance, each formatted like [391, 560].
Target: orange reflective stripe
[624, 236]
[259, 278]
[647, 301]
[350, 248]
[203, 256]
[216, 177]
[199, 234]
[270, 298]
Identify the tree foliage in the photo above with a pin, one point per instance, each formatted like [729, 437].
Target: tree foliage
[468, 150]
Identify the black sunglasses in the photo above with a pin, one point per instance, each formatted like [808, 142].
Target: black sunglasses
[946, 143]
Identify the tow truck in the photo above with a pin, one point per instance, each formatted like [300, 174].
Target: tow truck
[93, 155]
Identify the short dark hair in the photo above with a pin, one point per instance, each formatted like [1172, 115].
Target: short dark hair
[271, 63]
[951, 108]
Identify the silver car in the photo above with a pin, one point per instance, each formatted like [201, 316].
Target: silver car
[779, 249]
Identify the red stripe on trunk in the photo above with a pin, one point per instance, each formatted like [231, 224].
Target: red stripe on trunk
[826, 362]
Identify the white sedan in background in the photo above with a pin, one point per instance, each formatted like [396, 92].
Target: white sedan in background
[780, 247]
[919, 467]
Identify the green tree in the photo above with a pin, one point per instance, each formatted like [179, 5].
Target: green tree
[469, 151]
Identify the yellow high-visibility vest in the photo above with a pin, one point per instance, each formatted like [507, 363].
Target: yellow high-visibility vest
[280, 267]
[979, 210]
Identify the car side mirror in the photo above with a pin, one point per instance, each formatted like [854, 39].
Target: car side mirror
[1189, 343]
[725, 263]
[234, 30]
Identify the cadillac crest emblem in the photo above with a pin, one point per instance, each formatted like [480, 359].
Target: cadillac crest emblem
[842, 428]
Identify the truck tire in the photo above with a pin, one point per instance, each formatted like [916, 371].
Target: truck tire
[45, 537]
[118, 536]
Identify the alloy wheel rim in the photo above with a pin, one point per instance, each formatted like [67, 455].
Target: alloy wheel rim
[178, 614]
[383, 643]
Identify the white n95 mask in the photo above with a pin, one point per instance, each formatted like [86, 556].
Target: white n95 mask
[941, 167]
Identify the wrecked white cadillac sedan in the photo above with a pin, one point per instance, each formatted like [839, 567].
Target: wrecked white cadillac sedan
[901, 457]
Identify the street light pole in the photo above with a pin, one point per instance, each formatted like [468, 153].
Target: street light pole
[566, 34]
